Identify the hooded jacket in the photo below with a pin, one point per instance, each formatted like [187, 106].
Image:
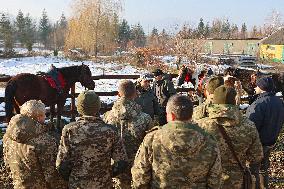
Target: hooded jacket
[243, 135]
[179, 155]
[30, 153]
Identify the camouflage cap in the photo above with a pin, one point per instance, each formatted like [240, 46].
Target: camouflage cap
[224, 95]
[88, 103]
[213, 83]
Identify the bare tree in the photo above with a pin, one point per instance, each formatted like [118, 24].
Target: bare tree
[91, 25]
[190, 48]
[272, 22]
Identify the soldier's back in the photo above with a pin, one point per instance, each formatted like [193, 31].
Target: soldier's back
[243, 135]
[182, 156]
[93, 144]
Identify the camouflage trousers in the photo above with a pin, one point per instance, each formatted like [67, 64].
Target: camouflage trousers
[122, 183]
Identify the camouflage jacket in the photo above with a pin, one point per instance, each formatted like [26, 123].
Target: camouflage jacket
[200, 111]
[30, 154]
[179, 155]
[85, 153]
[244, 137]
[131, 122]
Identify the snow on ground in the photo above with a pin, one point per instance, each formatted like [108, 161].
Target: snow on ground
[35, 64]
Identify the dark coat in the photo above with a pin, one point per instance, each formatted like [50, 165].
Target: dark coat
[163, 90]
[148, 102]
[267, 112]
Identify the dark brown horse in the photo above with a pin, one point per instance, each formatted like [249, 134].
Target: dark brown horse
[244, 76]
[24, 87]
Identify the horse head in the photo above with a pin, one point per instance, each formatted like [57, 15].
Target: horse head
[85, 77]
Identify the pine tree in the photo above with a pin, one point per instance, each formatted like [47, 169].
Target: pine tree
[123, 34]
[20, 27]
[254, 33]
[200, 29]
[30, 32]
[44, 28]
[207, 30]
[63, 21]
[164, 39]
[137, 35]
[154, 32]
[226, 29]
[235, 31]
[6, 30]
[244, 31]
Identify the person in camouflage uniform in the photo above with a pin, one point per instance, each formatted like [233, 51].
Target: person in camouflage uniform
[241, 131]
[30, 151]
[87, 146]
[179, 154]
[132, 124]
[200, 111]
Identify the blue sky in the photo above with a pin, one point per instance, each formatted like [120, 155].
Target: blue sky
[163, 13]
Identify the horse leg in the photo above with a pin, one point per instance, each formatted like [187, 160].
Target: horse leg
[52, 112]
[58, 117]
[16, 107]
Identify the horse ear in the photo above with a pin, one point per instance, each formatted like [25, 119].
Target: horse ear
[83, 64]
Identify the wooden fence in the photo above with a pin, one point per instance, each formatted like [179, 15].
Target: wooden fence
[72, 112]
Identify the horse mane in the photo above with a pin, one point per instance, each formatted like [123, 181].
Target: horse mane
[71, 70]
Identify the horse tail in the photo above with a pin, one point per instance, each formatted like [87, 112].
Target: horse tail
[10, 92]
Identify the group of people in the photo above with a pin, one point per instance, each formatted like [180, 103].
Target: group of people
[203, 147]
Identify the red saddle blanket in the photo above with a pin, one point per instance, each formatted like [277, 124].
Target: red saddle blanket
[52, 82]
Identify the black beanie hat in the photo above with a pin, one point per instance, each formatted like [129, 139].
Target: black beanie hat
[224, 95]
[265, 84]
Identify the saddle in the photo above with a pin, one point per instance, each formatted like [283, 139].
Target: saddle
[56, 82]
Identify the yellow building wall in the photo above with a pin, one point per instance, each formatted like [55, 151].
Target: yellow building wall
[272, 52]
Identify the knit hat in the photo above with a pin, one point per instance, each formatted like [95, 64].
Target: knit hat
[88, 103]
[224, 95]
[213, 83]
[265, 84]
[158, 72]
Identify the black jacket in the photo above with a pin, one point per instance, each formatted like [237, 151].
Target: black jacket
[148, 102]
[267, 112]
[163, 90]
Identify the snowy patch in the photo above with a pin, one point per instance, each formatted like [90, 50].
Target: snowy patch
[278, 94]
[33, 65]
